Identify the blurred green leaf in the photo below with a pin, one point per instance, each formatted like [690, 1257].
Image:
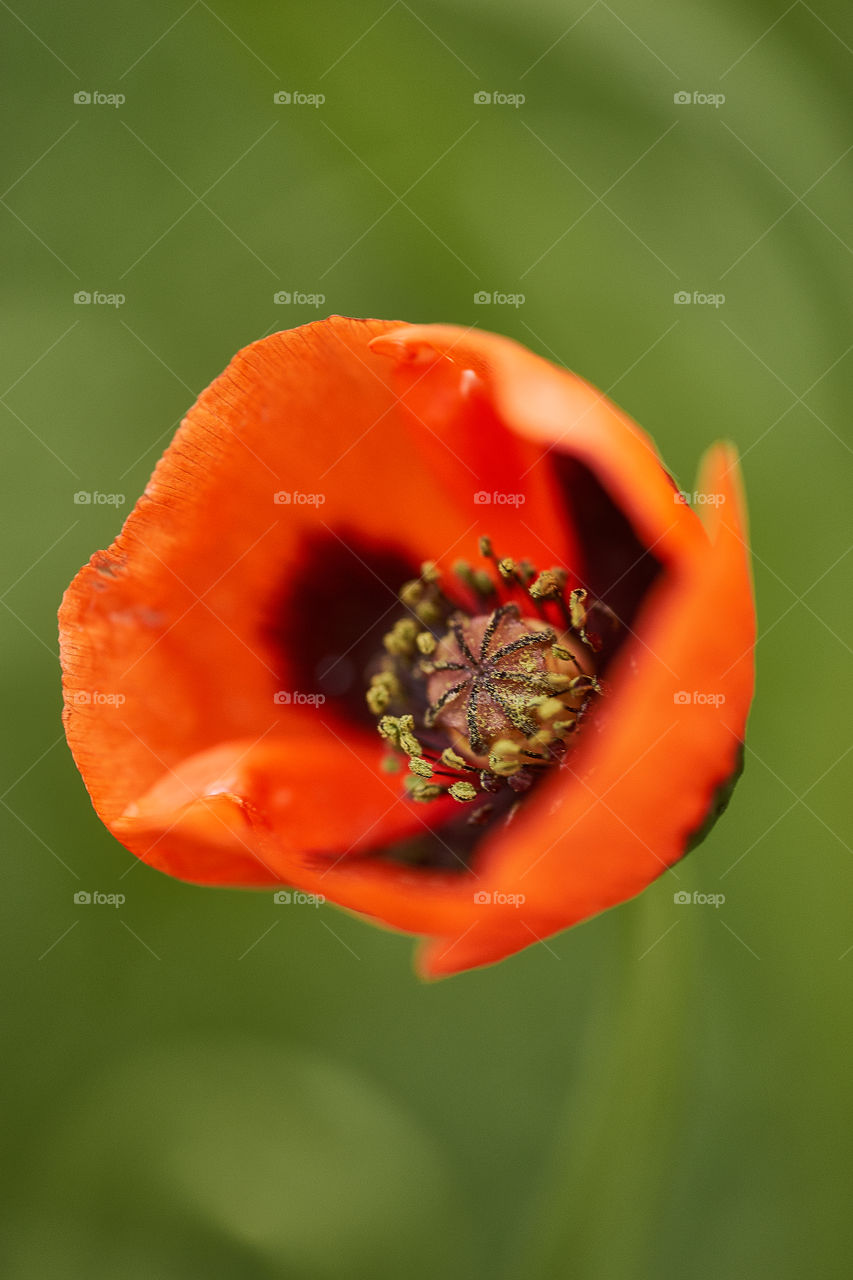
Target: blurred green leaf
[283, 1163]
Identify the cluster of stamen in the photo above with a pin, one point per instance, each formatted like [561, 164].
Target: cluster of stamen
[483, 697]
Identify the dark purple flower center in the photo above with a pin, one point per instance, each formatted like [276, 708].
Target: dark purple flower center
[483, 685]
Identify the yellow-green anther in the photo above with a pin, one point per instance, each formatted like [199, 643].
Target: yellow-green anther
[400, 640]
[563, 726]
[580, 683]
[577, 612]
[389, 729]
[548, 708]
[546, 587]
[559, 683]
[421, 767]
[483, 583]
[399, 731]
[411, 592]
[503, 758]
[390, 679]
[422, 791]
[452, 760]
[390, 764]
[428, 612]
[378, 698]
[429, 571]
[426, 642]
[485, 545]
[463, 792]
[408, 741]
[563, 654]
[506, 567]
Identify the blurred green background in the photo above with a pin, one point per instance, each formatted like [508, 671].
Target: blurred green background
[201, 1083]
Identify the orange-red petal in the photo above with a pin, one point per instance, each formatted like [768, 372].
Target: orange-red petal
[200, 772]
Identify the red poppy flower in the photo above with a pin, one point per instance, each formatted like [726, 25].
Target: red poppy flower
[412, 619]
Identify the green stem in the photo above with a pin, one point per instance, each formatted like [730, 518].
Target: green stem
[614, 1147]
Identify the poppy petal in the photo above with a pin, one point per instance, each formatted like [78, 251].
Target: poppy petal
[552, 409]
[179, 647]
[626, 804]
[168, 638]
[258, 812]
